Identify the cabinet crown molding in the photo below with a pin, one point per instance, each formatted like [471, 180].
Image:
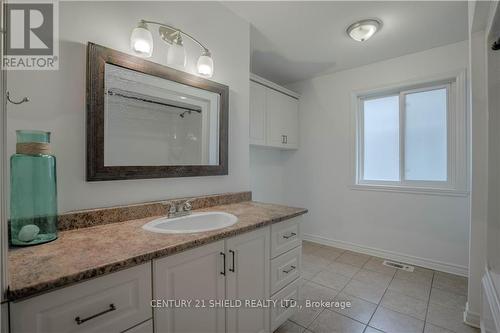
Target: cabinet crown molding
[274, 86]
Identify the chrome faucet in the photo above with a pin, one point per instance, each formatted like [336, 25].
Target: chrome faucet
[179, 208]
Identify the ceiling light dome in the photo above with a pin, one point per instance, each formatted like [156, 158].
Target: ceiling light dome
[364, 29]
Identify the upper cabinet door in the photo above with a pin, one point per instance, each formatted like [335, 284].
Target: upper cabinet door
[291, 120]
[282, 120]
[248, 279]
[277, 104]
[274, 116]
[195, 276]
[257, 114]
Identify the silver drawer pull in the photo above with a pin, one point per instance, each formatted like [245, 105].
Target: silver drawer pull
[286, 271]
[292, 234]
[80, 321]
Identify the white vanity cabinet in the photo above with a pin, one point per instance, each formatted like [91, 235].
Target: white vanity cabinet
[234, 269]
[112, 303]
[274, 115]
[192, 291]
[195, 277]
[286, 263]
[248, 279]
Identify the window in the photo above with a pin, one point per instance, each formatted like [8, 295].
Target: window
[412, 138]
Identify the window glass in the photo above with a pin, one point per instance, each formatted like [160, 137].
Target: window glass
[426, 135]
[381, 139]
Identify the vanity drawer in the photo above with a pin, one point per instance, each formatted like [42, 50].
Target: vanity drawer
[285, 268]
[285, 236]
[112, 303]
[283, 311]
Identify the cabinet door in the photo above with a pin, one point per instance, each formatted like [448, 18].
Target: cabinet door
[276, 112]
[193, 279]
[282, 120]
[291, 123]
[257, 114]
[248, 279]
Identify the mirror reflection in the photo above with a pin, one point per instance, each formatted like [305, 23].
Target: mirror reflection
[150, 121]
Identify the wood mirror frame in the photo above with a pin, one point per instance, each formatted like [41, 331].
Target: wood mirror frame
[97, 57]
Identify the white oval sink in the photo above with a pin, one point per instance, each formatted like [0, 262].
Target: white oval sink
[196, 222]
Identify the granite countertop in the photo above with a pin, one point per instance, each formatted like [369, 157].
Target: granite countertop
[89, 252]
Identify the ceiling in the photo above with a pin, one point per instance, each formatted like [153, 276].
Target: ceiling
[293, 41]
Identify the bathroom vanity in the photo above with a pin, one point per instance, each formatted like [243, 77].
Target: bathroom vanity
[117, 277]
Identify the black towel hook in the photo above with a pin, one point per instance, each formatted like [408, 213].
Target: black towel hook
[496, 45]
[24, 100]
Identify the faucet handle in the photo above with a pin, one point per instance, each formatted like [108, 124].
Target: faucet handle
[172, 209]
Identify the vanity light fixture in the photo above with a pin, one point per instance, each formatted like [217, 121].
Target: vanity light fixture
[141, 42]
[363, 30]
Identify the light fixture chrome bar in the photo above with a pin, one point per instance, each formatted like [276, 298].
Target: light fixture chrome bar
[205, 49]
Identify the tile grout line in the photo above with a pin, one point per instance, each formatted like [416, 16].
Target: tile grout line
[379, 304]
[305, 328]
[340, 291]
[429, 300]
[351, 279]
[322, 309]
[428, 304]
[380, 301]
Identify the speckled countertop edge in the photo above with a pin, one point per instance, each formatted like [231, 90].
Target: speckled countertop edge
[31, 282]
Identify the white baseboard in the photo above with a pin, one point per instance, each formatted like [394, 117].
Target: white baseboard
[423, 262]
[471, 318]
[490, 317]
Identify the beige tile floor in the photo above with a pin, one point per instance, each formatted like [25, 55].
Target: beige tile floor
[383, 299]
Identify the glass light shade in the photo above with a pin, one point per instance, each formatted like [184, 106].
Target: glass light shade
[176, 55]
[363, 30]
[205, 65]
[141, 41]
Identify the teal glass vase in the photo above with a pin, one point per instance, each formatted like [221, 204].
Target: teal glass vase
[33, 190]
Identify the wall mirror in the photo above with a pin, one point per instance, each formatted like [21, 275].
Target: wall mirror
[146, 120]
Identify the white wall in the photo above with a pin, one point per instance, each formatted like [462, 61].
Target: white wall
[58, 97]
[267, 174]
[425, 229]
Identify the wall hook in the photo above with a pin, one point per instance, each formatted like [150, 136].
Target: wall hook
[24, 100]
[496, 45]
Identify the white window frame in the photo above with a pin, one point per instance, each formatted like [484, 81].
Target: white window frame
[456, 183]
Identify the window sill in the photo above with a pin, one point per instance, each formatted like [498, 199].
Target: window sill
[411, 190]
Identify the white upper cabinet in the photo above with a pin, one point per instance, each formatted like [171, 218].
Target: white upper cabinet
[257, 114]
[274, 115]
